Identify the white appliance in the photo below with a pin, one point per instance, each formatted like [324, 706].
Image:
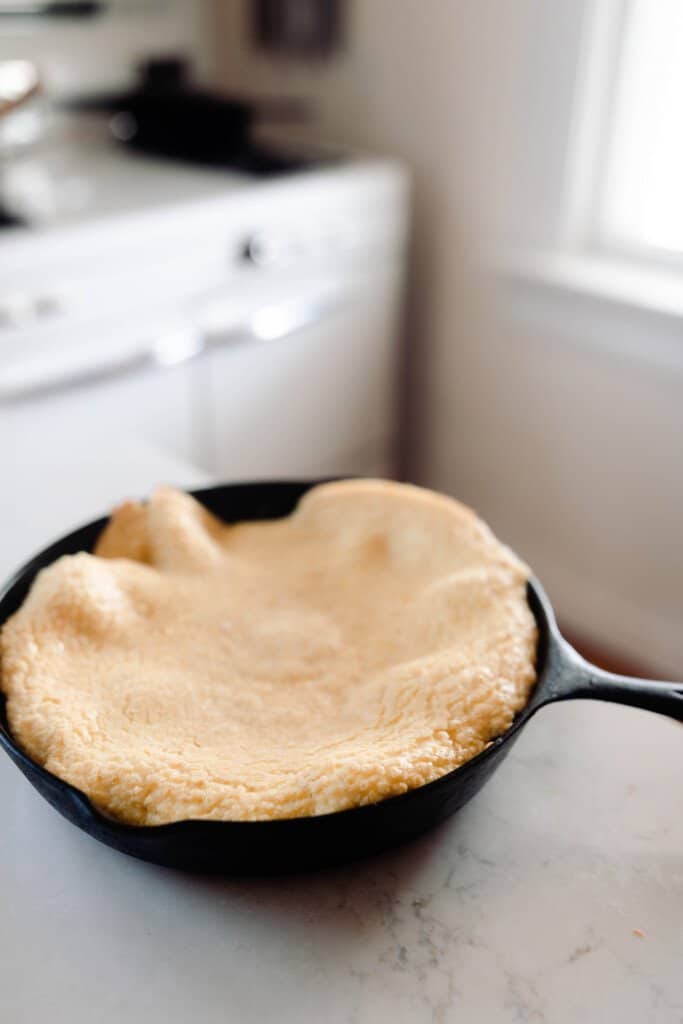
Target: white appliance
[247, 325]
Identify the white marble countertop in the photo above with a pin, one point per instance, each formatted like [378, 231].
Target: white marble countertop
[555, 896]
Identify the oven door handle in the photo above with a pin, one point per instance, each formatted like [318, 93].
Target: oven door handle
[274, 321]
[183, 344]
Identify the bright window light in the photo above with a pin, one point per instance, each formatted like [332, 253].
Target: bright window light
[642, 196]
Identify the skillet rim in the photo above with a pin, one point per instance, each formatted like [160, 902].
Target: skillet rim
[24, 577]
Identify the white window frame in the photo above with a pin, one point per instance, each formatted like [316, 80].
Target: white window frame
[598, 79]
[596, 291]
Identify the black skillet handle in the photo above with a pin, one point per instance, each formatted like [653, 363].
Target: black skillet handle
[586, 680]
[565, 675]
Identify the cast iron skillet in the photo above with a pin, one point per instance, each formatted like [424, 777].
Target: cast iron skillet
[275, 846]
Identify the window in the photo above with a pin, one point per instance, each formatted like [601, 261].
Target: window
[640, 195]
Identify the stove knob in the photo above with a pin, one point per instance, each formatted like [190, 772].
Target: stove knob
[266, 250]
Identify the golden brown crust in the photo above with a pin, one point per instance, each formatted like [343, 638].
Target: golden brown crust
[125, 535]
[366, 644]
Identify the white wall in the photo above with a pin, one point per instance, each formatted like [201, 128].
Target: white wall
[101, 52]
[574, 455]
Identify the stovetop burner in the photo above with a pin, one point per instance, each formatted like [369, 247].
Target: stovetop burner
[9, 219]
[166, 115]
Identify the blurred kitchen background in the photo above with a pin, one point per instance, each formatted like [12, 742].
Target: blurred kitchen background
[437, 239]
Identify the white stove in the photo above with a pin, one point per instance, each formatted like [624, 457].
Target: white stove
[247, 323]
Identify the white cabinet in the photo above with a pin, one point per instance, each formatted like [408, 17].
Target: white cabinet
[157, 406]
[319, 401]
